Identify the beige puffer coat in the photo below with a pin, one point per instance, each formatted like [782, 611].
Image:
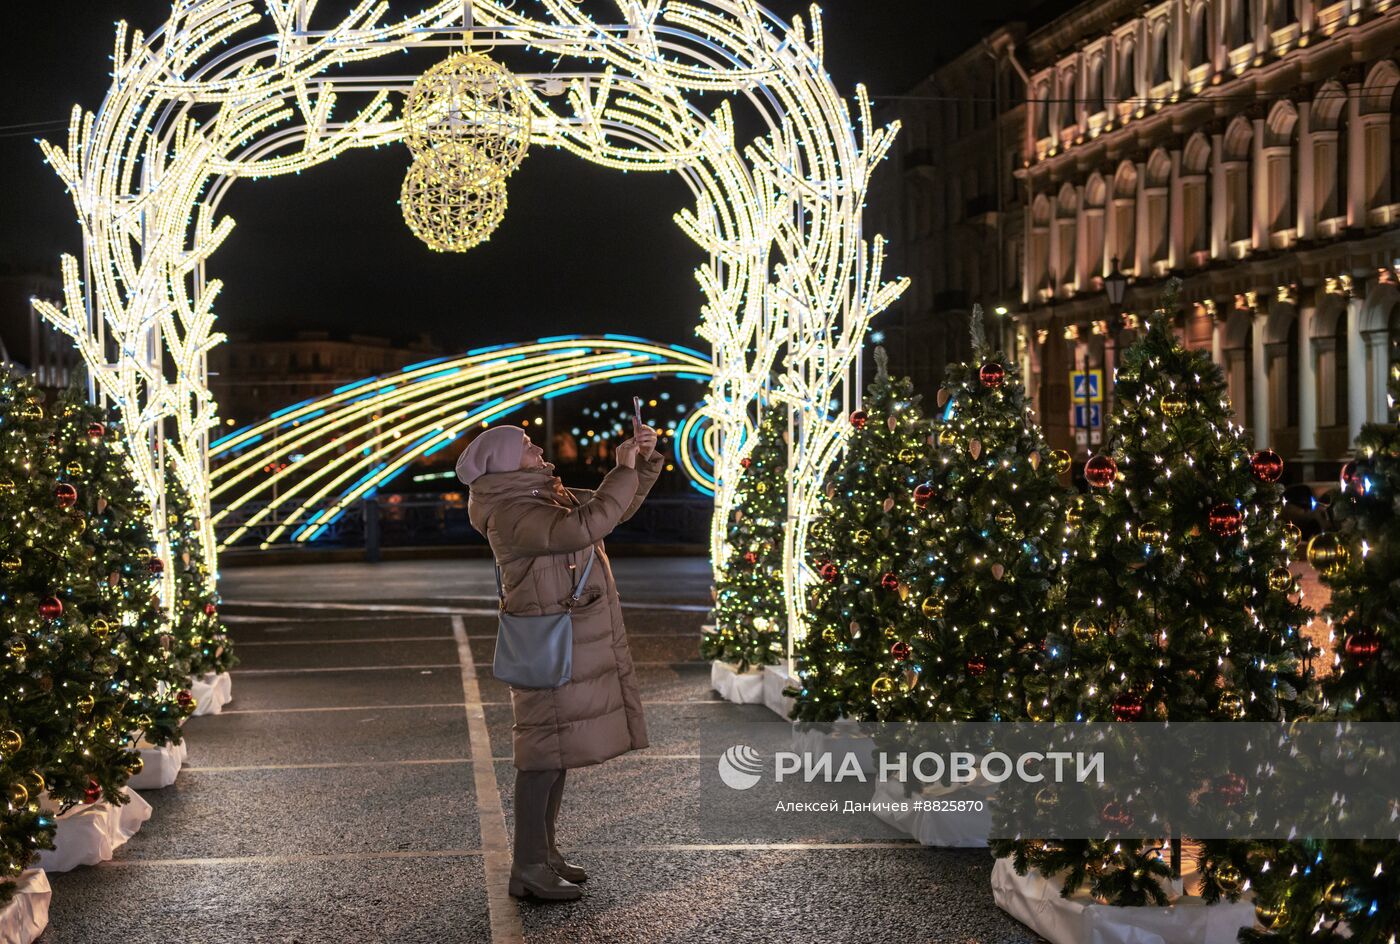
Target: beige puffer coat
[540, 532]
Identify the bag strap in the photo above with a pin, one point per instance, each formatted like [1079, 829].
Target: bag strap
[574, 592]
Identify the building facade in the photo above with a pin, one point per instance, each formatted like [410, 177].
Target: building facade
[1249, 147]
[27, 341]
[949, 203]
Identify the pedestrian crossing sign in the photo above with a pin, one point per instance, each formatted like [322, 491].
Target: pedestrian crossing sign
[1087, 385]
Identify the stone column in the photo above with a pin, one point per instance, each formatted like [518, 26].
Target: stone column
[1356, 367]
[1307, 382]
[1143, 248]
[1217, 342]
[1305, 200]
[1176, 214]
[1377, 369]
[1261, 383]
[1219, 220]
[1325, 352]
[1259, 199]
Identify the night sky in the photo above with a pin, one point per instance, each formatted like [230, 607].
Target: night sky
[582, 248]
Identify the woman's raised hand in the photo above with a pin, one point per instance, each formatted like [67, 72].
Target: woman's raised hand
[626, 453]
[645, 438]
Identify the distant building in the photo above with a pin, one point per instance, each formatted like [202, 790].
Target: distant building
[250, 379]
[26, 340]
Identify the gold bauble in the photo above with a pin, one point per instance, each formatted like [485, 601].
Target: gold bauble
[137, 765]
[10, 741]
[1086, 630]
[1292, 537]
[34, 783]
[1174, 404]
[19, 795]
[881, 686]
[18, 649]
[77, 523]
[7, 486]
[450, 204]
[1337, 894]
[74, 468]
[932, 607]
[469, 101]
[1228, 877]
[1059, 461]
[862, 537]
[761, 487]
[1280, 578]
[1006, 519]
[1271, 916]
[86, 703]
[1231, 704]
[1150, 533]
[1328, 555]
[946, 436]
[143, 553]
[32, 410]
[829, 636]
[908, 456]
[100, 628]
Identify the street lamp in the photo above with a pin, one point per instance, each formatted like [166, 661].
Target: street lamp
[1115, 284]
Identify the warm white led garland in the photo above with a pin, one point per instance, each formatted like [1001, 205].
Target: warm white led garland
[228, 89]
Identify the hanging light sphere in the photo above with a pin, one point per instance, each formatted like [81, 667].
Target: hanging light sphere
[100, 628]
[1328, 555]
[829, 572]
[858, 419]
[50, 608]
[1225, 520]
[452, 204]
[470, 101]
[1362, 646]
[1115, 813]
[11, 564]
[1174, 404]
[881, 686]
[96, 431]
[1270, 915]
[1266, 465]
[66, 495]
[889, 581]
[901, 651]
[1006, 519]
[1085, 629]
[992, 375]
[1059, 461]
[1150, 533]
[908, 456]
[1101, 471]
[10, 742]
[861, 537]
[932, 607]
[923, 494]
[946, 436]
[1292, 536]
[1127, 707]
[1280, 578]
[1228, 877]
[1231, 705]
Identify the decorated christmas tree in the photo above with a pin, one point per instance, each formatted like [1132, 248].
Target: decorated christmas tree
[1178, 601]
[853, 661]
[1334, 891]
[992, 526]
[750, 614]
[26, 684]
[201, 644]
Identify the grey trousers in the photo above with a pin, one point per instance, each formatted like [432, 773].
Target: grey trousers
[538, 794]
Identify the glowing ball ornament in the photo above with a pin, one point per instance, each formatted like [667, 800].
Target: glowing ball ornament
[451, 202]
[11, 564]
[96, 431]
[1329, 555]
[992, 375]
[1086, 630]
[1280, 578]
[185, 700]
[889, 581]
[901, 651]
[470, 101]
[1225, 520]
[858, 419]
[1100, 471]
[976, 665]
[1127, 707]
[829, 572]
[1292, 536]
[1231, 705]
[881, 686]
[10, 742]
[1150, 533]
[745, 462]
[750, 557]
[946, 436]
[66, 495]
[932, 607]
[100, 628]
[1228, 877]
[1266, 465]
[1174, 405]
[923, 494]
[50, 608]
[93, 793]
[1351, 479]
[1362, 646]
[1059, 461]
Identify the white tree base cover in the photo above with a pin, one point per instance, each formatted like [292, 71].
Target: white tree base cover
[211, 692]
[775, 679]
[1037, 904]
[741, 688]
[90, 834]
[27, 914]
[160, 765]
[959, 830]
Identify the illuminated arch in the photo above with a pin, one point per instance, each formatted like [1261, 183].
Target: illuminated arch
[398, 418]
[231, 89]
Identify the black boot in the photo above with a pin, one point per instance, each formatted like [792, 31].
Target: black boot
[531, 873]
[565, 870]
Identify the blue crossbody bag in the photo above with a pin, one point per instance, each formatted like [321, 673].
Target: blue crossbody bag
[537, 651]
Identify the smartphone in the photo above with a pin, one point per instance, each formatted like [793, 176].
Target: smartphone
[637, 410]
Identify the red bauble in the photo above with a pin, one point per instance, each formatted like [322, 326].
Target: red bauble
[156, 566]
[858, 419]
[66, 495]
[751, 557]
[1362, 646]
[829, 572]
[93, 793]
[1127, 707]
[1266, 465]
[889, 581]
[1101, 471]
[96, 431]
[51, 608]
[1116, 814]
[923, 494]
[992, 374]
[1225, 520]
[1230, 788]
[1351, 477]
[901, 650]
[183, 698]
[976, 665]
[210, 609]
[746, 462]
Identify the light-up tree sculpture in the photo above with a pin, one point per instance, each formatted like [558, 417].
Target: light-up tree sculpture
[228, 90]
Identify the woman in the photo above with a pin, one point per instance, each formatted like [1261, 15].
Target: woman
[541, 534]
